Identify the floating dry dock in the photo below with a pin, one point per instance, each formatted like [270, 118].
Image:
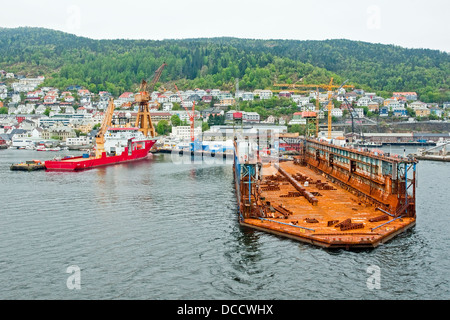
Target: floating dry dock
[329, 196]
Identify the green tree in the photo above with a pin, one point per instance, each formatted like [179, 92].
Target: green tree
[301, 129]
[175, 120]
[163, 127]
[4, 110]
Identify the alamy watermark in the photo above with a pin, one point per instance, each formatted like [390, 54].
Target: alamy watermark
[219, 148]
[74, 280]
[373, 21]
[73, 21]
[374, 280]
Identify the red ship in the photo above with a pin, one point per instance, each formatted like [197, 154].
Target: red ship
[118, 144]
[121, 145]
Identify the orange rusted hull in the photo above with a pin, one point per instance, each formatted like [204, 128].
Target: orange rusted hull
[308, 221]
[327, 203]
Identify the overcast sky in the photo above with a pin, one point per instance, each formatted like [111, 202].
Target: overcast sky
[407, 23]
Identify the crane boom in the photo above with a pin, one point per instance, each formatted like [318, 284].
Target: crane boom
[329, 87]
[106, 123]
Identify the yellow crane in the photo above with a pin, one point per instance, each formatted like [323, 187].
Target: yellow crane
[143, 118]
[329, 87]
[106, 123]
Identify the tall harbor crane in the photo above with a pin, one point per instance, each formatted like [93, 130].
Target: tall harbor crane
[143, 118]
[191, 114]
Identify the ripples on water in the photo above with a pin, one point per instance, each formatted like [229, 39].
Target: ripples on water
[155, 230]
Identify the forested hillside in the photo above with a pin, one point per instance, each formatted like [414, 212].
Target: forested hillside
[119, 65]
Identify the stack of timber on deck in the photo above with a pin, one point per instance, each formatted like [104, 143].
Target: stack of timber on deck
[329, 196]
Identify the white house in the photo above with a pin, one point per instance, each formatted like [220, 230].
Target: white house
[81, 110]
[363, 102]
[50, 99]
[184, 132]
[360, 112]
[15, 98]
[250, 117]
[265, 94]
[336, 112]
[40, 109]
[167, 106]
[162, 98]
[215, 92]
[247, 96]
[174, 98]
[417, 105]
[70, 110]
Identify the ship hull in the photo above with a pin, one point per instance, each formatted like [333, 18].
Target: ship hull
[318, 200]
[81, 163]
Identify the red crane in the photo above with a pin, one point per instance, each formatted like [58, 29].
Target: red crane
[191, 114]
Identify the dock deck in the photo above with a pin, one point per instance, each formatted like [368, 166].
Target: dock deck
[325, 214]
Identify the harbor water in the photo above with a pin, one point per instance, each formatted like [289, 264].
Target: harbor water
[155, 229]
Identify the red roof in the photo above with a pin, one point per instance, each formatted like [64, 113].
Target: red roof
[308, 114]
[126, 95]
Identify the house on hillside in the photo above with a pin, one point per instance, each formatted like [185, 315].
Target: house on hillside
[265, 94]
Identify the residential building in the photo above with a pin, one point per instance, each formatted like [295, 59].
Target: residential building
[363, 101]
[336, 112]
[370, 95]
[400, 112]
[215, 92]
[184, 132]
[373, 106]
[247, 96]
[265, 94]
[60, 132]
[250, 117]
[422, 112]
[407, 95]
[436, 111]
[359, 112]
[384, 111]
[174, 98]
[300, 100]
[207, 98]
[160, 115]
[297, 118]
[227, 102]
[167, 106]
[417, 105]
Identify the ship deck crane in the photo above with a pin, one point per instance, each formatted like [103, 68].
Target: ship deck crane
[106, 123]
[143, 118]
[191, 115]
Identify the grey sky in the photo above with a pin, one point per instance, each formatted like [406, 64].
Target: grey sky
[411, 24]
